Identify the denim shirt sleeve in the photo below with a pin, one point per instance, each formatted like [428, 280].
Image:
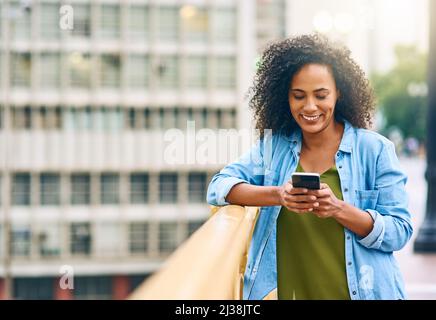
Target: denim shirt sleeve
[249, 168]
[392, 221]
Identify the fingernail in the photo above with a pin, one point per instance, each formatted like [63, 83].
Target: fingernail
[316, 204]
[310, 209]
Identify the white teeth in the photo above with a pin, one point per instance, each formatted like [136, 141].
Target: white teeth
[310, 118]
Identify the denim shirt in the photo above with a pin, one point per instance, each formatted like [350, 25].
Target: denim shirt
[371, 179]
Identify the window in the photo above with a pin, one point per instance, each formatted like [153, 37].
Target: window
[40, 288]
[136, 280]
[225, 73]
[22, 118]
[112, 119]
[195, 23]
[49, 70]
[21, 189]
[110, 22]
[51, 117]
[20, 241]
[224, 25]
[93, 288]
[138, 22]
[138, 71]
[22, 29]
[196, 75]
[110, 70]
[110, 188]
[168, 187]
[80, 189]
[194, 226]
[168, 72]
[21, 69]
[80, 69]
[197, 187]
[49, 21]
[49, 240]
[82, 21]
[108, 239]
[80, 240]
[168, 23]
[139, 188]
[167, 237]
[50, 189]
[139, 232]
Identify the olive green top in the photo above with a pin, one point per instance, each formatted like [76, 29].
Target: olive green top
[311, 252]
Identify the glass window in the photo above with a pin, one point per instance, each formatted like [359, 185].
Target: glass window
[195, 23]
[110, 188]
[168, 23]
[21, 189]
[49, 71]
[224, 25]
[93, 288]
[168, 72]
[137, 280]
[110, 70]
[197, 187]
[38, 288]
[225, 73]
[194, 226]
[50, 189]
[139, 232]
[110, 21]
[196, 76]
[49, 21]
[138, 71]
[80, 66]
[80, 189]
[112, 119]
[82, 21]
[139, 188]
[21, 69]
[49, 240]
[80, 240]
[51, 117]
[21, 118]
[20, 241]
[167, 237]
[138, 22]
[168, 187]
[22, 30]
[108, 239]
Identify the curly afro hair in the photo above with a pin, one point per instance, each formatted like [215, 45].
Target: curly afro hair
[282, 59]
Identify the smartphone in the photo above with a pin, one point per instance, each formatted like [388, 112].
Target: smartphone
[308, 180]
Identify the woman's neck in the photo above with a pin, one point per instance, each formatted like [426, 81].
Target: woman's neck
[330, 137]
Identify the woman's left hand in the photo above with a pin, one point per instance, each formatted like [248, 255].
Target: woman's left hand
[329, 205]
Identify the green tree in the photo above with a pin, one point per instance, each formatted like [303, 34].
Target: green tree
[400, 94]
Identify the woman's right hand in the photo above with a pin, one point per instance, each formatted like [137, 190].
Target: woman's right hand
[297, 199]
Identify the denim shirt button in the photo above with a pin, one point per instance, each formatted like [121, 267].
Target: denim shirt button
[340, 167]
[348, 237]
[354, 293]
[345, 189]
[350, 263]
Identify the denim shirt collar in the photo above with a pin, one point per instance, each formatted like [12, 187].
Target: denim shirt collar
[295, 139]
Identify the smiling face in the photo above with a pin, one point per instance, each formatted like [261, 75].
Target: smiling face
[312, 97]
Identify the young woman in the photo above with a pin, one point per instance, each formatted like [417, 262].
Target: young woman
[332, 243]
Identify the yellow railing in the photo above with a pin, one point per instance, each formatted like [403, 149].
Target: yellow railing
[210, 264]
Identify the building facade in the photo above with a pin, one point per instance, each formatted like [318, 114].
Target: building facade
[85, 185]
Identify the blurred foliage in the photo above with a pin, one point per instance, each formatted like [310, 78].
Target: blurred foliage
[400, 109]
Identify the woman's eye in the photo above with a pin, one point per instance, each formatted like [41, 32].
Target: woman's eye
[299, 97]
[321, 97]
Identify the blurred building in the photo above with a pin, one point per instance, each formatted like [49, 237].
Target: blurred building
[89, 186]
